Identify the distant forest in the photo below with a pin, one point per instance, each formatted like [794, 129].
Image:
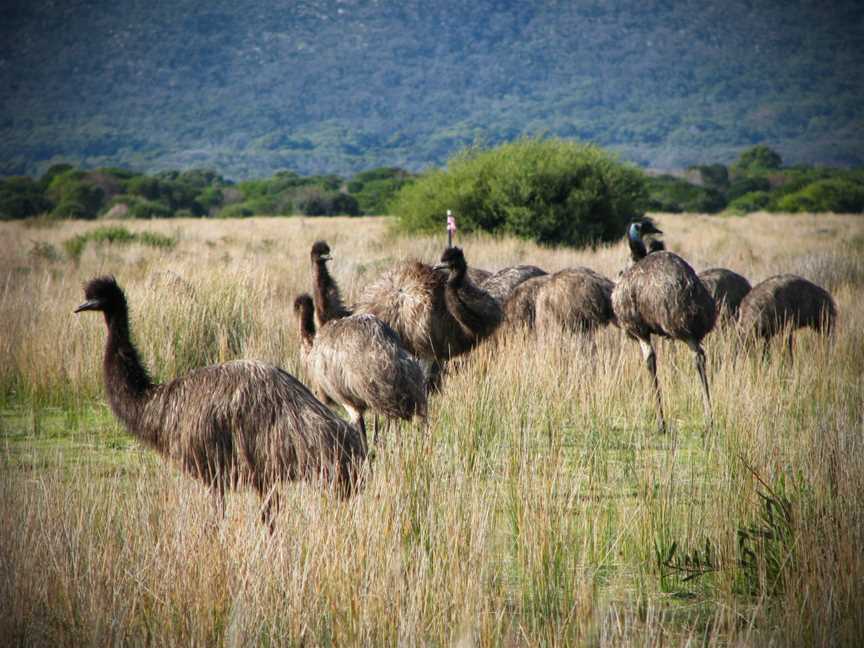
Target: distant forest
[756, 181]
[250, 87]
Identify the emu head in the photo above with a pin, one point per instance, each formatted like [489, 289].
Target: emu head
[320, 252]
[302, 304]
[453, 260]
[103, 294]
[638, 229]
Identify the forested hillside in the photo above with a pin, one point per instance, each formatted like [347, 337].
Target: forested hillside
[327, 86]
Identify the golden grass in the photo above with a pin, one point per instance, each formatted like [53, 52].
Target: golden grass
[538, 508]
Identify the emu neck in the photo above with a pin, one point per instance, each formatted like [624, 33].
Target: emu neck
[456, 278]
[464, 303]
[325, 292]
[637, 248]
[126, 380]
[307, 328]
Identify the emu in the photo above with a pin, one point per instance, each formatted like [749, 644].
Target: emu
[520, 307]
[660, 294]
[412, 299]
[236, 425]
[502, 284]
[577, 300]
[727, 288]
[360, 363]
[328, 301]
[476, 311]
[785, 301]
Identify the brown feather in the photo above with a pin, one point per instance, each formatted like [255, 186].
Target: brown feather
[786, 300]
[727, 288]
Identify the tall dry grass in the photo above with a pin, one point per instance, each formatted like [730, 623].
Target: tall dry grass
[538, 508]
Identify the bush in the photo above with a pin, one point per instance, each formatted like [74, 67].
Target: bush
[319, 201]
[751, 202]
[550, 191]
[832, 195]
[74, 196]
[670, 194]
[758, 157]
[747, 184]
[21, 197]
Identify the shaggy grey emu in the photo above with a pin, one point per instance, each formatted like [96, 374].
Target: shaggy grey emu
[577, 300]
[237, 424]
[501, 284]
[785, 300]
[410, 298]
[660, 294]
[328, 301]
[360, 363]
[477, 275]
[727, 288]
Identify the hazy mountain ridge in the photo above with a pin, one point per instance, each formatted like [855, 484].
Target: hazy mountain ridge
[250, 87]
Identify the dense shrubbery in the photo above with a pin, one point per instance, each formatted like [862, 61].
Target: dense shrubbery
[758, 181]
[66, 192]
[550, 191]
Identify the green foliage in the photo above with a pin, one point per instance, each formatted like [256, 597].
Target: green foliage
[670, 194]
[747, 184]
[713, 176]
[831, 195]
[757, 158]
[551, 191]
[76, 245]
[376, 188]
[74, 195]
[21, 197]
[750, 202]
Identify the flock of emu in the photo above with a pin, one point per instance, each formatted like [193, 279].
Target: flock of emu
[251, 424]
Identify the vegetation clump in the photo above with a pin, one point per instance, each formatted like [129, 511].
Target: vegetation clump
[546, 190]
[76, 245]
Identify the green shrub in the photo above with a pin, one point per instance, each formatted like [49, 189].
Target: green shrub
[758, 157]
[21, 197]
[75, 196]
[832, 195]
[713, 176]
[750, 202]
[550, 191]
[670, 194]
[746, 184]
[237, 210]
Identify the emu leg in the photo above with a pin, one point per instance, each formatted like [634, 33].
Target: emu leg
[270, 509]
[699, 360]
[790, 348]
[651, 363]
[375, 431]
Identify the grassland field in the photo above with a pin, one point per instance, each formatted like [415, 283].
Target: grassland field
[539, 507]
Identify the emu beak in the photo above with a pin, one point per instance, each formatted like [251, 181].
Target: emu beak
[325, 257]
[440, 266]
[648, 228]
[90, 304]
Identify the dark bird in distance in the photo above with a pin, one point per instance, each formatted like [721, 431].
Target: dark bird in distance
[727, 288]
[328, 300]
[360, 363]
[783, 303]
[660, 294]
[241, 424]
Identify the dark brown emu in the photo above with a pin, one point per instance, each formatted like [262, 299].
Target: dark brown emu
[359, 362]
[783, 303]
[241, 424]
[727, 288]
[502, 283]
[476, 311]
[328, 301]
[660, 294]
